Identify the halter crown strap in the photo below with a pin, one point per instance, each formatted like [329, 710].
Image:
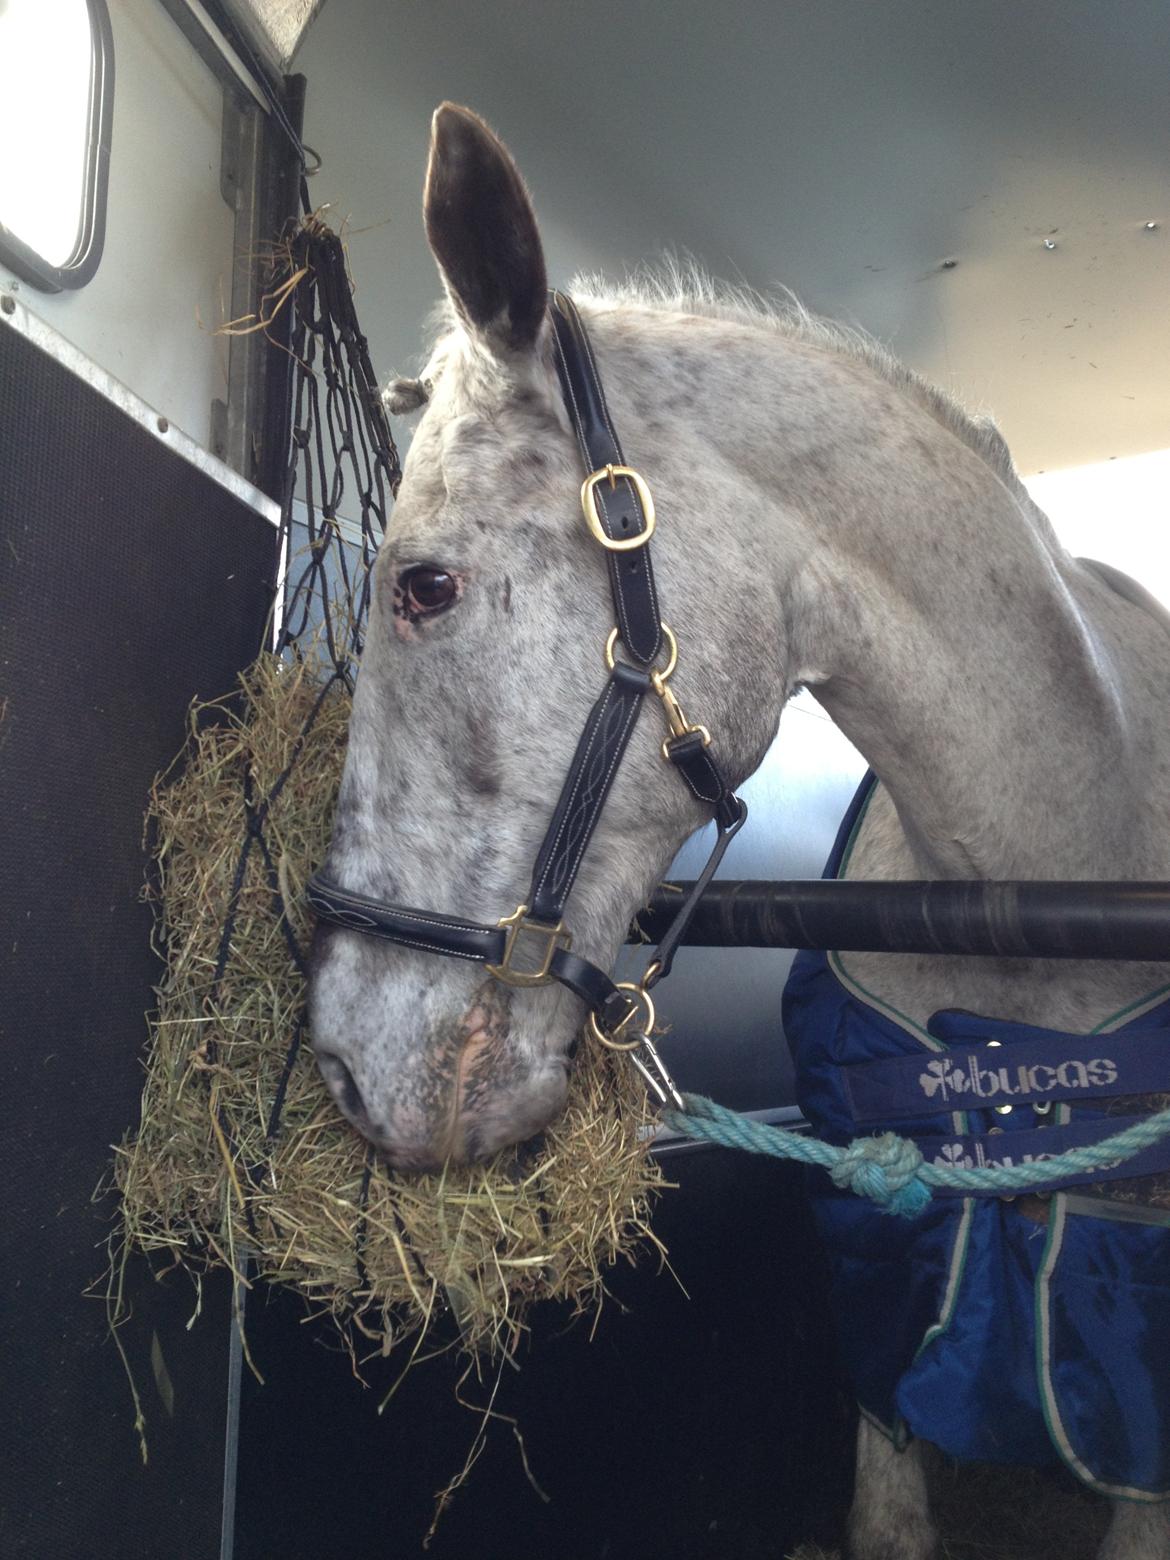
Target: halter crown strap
[620, 501]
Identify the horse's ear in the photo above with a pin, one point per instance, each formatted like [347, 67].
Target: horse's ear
[482, 231]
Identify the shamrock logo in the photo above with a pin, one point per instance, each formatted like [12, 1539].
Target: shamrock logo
[953, 1156]
[941, 1076]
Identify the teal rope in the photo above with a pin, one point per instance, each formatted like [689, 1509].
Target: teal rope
[889, 1169]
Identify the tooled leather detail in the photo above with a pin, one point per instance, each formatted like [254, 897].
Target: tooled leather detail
[695, 764]
[586, 787]
[458, 939]
[411, 928]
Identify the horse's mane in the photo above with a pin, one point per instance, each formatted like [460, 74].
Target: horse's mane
[683, 287]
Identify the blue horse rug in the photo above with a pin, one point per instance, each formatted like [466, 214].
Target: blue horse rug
[975, 1327]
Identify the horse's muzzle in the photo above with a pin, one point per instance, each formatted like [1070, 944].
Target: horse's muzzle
[461, 1127]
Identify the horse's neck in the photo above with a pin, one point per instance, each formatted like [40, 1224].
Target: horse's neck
[997, 715]
[1010, 701]
[1007, 700]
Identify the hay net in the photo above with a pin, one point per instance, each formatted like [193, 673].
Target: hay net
[241, 1159]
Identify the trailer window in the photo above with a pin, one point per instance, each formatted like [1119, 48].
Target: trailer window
[56, 85]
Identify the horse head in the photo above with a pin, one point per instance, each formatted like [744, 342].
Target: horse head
[489, 615]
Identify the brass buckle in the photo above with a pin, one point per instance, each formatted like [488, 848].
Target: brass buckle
[518, 923]
[593, 519]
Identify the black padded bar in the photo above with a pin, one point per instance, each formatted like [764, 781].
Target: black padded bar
[1015, 920]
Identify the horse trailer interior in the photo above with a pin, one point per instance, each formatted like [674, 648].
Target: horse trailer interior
[985, 191]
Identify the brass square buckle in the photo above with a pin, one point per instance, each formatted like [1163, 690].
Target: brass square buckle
[517, 925]
[610, 474]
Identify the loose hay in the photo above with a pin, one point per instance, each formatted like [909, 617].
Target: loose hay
[241, 1153]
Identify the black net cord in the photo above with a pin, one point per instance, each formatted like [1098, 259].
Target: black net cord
[342, 456]
[341, 474]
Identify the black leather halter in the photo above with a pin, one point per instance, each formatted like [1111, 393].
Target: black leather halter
[531, 946]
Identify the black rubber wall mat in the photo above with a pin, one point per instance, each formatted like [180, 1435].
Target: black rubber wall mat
[129, 583]
[704, 1419]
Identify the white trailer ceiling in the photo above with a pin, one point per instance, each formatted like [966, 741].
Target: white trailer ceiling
[843, 148]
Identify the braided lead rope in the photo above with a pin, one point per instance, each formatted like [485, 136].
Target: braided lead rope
[889, 1169]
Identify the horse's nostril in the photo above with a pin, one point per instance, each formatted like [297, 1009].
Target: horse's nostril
[341, 1082]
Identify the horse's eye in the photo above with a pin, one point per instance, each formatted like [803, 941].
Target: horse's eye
[427, 590]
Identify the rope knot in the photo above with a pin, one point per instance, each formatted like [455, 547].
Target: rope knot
[884, 1169]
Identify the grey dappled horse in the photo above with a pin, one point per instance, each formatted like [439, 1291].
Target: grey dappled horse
[826, 520]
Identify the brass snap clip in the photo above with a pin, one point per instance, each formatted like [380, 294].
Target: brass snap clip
[639, 1044]
[679, 725]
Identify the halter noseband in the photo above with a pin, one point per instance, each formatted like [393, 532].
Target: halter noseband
[532, 946]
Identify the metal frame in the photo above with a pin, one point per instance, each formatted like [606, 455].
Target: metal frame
[208, 29]
[91, 235]
[259, 178]
[260, 174]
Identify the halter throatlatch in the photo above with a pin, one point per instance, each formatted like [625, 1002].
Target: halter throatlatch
[532, 946]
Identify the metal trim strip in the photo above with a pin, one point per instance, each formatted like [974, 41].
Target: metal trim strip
[17, 316]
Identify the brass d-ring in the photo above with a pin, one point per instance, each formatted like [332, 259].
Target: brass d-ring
[671, 645]
[645, 1001]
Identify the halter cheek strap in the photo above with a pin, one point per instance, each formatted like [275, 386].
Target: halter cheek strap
[532, 946]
